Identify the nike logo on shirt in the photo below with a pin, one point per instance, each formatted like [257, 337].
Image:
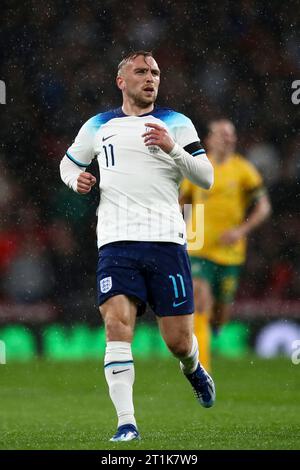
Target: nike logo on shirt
[108, 137]
[119, 371]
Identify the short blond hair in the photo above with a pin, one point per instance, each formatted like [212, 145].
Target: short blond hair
[131, 56]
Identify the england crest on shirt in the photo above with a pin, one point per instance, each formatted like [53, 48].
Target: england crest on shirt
[105, 284]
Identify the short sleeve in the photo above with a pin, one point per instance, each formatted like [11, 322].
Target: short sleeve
[251, 178]
[82, 151]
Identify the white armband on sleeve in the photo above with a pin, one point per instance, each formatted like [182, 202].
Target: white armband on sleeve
[198, 170]
[69, 173]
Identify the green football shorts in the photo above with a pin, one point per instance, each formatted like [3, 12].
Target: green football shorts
[223, 279]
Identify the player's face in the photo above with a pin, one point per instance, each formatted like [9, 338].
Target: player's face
[222, 138]
[140, 81]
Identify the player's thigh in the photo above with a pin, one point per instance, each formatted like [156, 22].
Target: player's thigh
[177, 332]
[121, 307]
[203, 272]
[203, 295]
[119, 315]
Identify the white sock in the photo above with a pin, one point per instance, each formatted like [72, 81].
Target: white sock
[119, 374]
[189, 363]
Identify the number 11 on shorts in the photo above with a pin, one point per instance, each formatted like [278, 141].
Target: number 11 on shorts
[175, 285]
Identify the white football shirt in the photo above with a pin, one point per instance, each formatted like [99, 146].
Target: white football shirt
[138, 186]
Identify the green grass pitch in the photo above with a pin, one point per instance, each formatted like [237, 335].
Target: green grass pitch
[65, 405]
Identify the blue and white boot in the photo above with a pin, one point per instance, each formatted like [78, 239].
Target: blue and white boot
[203, 385]
[125, 433]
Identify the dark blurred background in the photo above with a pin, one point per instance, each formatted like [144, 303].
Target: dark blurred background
[58, 60]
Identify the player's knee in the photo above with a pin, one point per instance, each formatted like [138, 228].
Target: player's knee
[179, 347]
[117, 329]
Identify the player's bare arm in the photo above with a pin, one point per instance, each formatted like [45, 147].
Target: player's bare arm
[258, 215]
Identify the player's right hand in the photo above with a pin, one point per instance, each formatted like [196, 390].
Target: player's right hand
[85, 181]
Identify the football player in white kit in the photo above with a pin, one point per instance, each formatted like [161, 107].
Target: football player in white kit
[143, 152]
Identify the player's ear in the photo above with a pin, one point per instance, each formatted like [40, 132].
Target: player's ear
[120, 82]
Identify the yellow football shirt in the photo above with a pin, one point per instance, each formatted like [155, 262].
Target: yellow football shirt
[225, 206]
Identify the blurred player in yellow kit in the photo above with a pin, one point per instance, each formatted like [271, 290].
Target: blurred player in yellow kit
[235, 205]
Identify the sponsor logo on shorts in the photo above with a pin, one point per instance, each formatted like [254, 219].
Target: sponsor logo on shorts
[180, 303]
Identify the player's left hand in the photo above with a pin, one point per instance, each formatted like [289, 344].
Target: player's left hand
[231, 236]
[158, 135]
